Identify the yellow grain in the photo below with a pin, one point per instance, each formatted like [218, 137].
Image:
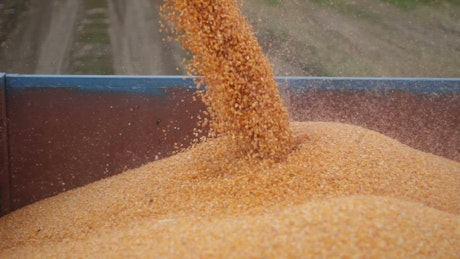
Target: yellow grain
[342, 191]
[241, 95]
[324, 199]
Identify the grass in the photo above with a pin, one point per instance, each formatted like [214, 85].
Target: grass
[93, 4]
[314, 68]
[411, 4]
[273, 2]
[10, 11]
[408, 4]
[98, 64]
[97, 16]
[344, 6]
[94, 35]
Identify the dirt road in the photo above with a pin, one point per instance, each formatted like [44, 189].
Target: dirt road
[44, 40]
[41, 42]
[359, 38]
[323, 38]
[136, 41]
[56, 45]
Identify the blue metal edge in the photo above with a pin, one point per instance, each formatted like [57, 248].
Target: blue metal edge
[136, 84]
[382, 84]
[157, 84]
[2, 79]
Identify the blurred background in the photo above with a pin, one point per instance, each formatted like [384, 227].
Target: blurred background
[391, 38]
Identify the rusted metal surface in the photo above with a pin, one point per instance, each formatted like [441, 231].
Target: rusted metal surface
[68, 131]
[428, 122]
[4, 173]
[65, 137]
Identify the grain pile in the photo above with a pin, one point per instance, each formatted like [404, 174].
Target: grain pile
[341, 190]
[344, 190]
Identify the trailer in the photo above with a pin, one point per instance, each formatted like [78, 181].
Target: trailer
[59, 132]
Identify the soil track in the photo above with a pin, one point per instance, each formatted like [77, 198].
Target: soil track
[44, 39]
[41, 42]
[137, 43]
[324, 38]
[359, 38]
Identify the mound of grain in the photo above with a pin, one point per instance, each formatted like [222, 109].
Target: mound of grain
[344, 190]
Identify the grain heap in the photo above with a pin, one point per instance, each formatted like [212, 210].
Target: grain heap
[343, 191]
[241, 95]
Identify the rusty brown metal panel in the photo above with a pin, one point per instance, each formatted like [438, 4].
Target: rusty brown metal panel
[428, 122]
[68, 131]
[62, 138]
[4, 168]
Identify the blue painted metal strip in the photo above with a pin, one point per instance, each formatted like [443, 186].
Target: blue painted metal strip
[2, 79]
[157, 84]
[414, 85]
[136, 84]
